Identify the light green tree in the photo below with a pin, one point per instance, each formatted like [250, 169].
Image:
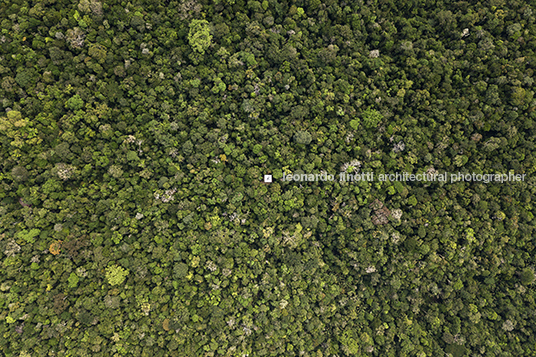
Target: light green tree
[116, 274]
[29, 236]
[73, 280]
[371, 118]
[18, 129]
[199, 36]
[74, 103]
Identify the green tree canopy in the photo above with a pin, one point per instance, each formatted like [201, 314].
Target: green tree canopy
[199, 36]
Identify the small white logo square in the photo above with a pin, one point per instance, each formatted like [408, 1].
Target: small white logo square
[267, 178]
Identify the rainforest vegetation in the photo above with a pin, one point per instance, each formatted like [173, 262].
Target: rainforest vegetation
[134, 137]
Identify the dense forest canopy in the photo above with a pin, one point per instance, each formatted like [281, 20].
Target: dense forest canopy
[135, 135]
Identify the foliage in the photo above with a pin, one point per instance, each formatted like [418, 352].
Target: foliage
[354, 123]
[371, 118]
[527, 276]
[29, 235]
[55, 247]
[19, 130]
[135, 136]
[199, 35]
[74, 103]
[116, 274]
[73, 280]
[302, 137]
